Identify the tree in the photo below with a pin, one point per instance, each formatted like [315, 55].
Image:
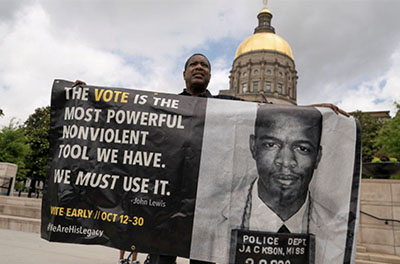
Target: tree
[389, 136]
[36, 129]
[13, 148]
[370, 127]
[1, 112]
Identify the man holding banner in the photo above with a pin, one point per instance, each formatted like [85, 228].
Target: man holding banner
[197, 74]
[155, 172]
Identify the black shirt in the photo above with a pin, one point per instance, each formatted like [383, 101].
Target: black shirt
[209, 95]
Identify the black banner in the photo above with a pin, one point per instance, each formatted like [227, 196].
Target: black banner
[174, 175]
[124, 168]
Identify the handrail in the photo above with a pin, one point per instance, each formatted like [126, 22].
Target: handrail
[380, 219]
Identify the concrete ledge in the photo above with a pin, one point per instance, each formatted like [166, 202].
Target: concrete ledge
[21, 201]
[17, 223]
[361, 249]
[378, 227]
[381, 249]
[367, 262]
[22, 211]
[380, 258]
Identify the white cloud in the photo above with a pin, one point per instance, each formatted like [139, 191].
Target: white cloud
[156, 29]
[378, 94]
[219, 79]
[337, 44]
[33, 56]
[134, 44]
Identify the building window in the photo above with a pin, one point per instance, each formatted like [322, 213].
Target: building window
[269, 71]
[255, 72]
[290, 91]
[244, 73]
[264, 22]
[244, 87]
[279, 88]
[255, 87]
[280, 74]
[268, 86]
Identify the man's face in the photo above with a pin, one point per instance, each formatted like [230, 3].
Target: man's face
[197, 74]
[286, 150]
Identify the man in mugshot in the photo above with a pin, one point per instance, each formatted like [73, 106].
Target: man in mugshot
[286, 148]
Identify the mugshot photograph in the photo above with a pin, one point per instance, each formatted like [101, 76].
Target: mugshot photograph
[292, 170]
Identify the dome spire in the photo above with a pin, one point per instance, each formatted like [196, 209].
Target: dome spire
[264, 20]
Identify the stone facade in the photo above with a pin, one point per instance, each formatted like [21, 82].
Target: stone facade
[263, 76]
[380, 198]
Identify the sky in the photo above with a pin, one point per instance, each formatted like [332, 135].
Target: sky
[346, 52]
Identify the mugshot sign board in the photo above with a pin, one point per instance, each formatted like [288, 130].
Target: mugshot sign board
[174, 175]
[251, 247]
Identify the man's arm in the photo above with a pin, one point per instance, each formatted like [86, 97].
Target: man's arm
[78, 82]
[335, 109]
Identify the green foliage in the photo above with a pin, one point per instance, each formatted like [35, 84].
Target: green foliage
[389, 136]
[13, 148]
[370, 127]
[1, 112]
[36, 129]
[395, 177]
[383, 158]
[376, 159]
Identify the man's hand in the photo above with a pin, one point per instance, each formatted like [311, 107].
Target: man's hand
[78, 82]
[335, 109]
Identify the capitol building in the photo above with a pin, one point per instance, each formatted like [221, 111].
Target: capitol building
[263, 69]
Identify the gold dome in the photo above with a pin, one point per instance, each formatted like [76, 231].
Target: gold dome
[265, 10]
[264, 41]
